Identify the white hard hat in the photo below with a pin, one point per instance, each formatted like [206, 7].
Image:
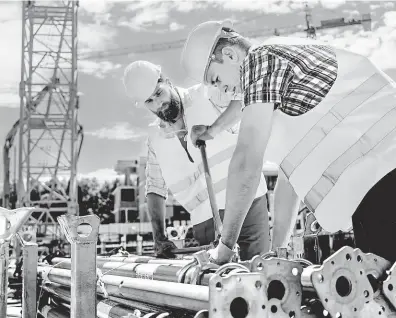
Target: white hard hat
[140, 80]
[199, 46]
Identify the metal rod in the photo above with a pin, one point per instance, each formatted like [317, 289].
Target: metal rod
[211, 192]
[4, 261]
[155, 292]
[100, 260]
[29, 277]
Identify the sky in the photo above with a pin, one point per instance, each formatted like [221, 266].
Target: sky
[111, 32]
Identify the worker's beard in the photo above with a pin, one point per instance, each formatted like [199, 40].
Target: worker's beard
[171, 111]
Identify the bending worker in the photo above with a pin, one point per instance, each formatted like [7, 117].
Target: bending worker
[174, 163]
[326, 116]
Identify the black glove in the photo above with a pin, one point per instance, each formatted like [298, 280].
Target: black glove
[163, 249]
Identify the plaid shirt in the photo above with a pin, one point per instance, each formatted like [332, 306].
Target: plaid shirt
[294, 77]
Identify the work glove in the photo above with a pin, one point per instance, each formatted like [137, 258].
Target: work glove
[163, 248]
[221, 254]
[200, 132]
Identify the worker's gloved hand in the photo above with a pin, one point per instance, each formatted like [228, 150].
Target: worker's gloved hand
[163, 248]
[221, 254]
[200, 132]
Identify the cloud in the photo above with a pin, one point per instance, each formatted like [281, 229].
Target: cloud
[120, 131]
[10, 100]
[98, 69]
[94, 36]
[279, 7]
[332, 4]
[148, 16]
[174, 26]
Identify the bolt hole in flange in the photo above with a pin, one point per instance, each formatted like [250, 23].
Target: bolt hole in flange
[218, 286]
[239, 308]
[390, 287]
[84, 230]
[276, 290]
[343, 286]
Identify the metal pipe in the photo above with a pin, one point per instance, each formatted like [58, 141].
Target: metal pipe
[111, 305]
[161, 293]
[82, 233]
[50, 312]
[65, 262]
[29, 278]
[4, 260]
[149, 271]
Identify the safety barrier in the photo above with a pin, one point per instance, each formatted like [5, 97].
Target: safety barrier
[348, 284]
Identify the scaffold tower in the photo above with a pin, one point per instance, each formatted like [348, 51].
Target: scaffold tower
[49, 133]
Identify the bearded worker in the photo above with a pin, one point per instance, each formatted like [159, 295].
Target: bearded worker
[326, 116]
[173, 163]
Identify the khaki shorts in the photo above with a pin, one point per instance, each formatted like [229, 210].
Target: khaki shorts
[254, 238]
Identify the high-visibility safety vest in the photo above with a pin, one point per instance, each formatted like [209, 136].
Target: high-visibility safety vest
[185, 179]
[336, 152]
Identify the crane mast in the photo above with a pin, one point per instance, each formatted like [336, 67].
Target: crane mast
[48, 126]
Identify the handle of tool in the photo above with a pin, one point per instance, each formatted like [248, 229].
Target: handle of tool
[189, 250]
[209, 183]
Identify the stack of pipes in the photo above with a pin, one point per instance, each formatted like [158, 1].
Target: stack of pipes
[124, 287]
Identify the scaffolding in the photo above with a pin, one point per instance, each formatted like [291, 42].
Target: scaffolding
[48, 128]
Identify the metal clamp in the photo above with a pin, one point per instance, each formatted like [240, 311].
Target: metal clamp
[238, 295]
[282, 284]
[200, 265]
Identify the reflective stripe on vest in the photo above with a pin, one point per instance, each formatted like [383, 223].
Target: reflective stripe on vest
[203, 195]
[332, 119]
[212, 161]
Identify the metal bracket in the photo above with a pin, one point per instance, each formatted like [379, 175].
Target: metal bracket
[10, 223]
[389, 286]
[342, 284]
[82, 233]
[238, 295]
[12, 220]
[70, 226]
[282, 285]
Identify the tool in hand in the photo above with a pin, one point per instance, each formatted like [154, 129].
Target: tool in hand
[209, 183]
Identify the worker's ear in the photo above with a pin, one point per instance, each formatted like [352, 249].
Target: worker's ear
[230, 55]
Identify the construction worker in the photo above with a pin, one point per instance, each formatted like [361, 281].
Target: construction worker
[174, 163]
[326, 116]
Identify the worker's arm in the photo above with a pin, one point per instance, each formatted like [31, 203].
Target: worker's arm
[286, 204]
[156, 211]
[245, 168]
[156, 193]
[226, 120]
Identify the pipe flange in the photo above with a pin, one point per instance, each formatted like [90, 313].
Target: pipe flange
[238, 295]
[342, 284]
[283, 282]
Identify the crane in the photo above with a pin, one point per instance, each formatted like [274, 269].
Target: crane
[50, 137]
[310, 31]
